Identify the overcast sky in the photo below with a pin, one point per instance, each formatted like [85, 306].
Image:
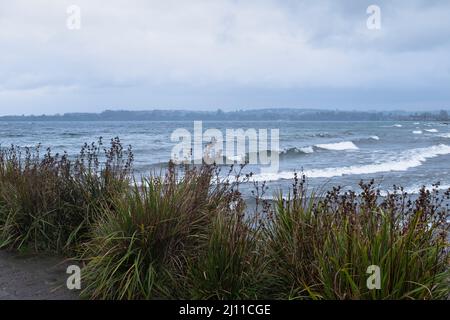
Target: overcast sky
[229, 54]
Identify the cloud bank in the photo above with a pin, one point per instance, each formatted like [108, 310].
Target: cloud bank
[201, 54]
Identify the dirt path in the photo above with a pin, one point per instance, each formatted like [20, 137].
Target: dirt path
[33, 277]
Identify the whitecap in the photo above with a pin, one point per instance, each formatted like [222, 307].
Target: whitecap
[397, 125]
[404, 161]
[416, 189]
[307, 149]
[431, 130]
[338, 146]
[417, 132]
[375, 137]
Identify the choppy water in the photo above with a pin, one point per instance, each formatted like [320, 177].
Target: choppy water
[410, 154]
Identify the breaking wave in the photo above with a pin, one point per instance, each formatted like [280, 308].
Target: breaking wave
[416, 189]
[338, 146]
[296, 151]
[406, 160]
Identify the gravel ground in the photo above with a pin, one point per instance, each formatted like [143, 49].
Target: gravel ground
[33, 277]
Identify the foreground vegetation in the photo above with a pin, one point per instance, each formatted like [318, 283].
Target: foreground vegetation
[191, 235]
[48, 201]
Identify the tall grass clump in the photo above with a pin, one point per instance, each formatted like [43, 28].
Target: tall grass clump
[172, 237]
[188, 233]
[228, 265]
[321, 246]
[48, 201]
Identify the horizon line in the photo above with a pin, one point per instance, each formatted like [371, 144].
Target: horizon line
[231, 111]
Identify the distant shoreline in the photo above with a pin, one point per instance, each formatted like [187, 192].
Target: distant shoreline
[239, 115]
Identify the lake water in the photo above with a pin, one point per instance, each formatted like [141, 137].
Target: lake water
[410, 154]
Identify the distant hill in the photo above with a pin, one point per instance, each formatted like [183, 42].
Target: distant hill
[244, 115]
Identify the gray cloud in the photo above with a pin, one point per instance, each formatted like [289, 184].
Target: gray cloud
[144, 54]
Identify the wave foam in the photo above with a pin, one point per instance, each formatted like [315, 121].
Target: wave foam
[417, 132]
[375, 138]
[307, 149]
[286, 152]
[406, 160]
[416, 189]
[339, 146]
[431, 130]
[445, 135]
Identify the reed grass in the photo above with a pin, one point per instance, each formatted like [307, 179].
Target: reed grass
[191, 235]
[171, 237]
[321, 247]
[48, 201]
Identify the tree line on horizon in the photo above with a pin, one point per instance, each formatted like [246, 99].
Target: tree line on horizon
[239, 115]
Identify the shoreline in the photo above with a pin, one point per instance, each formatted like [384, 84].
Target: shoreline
[33, 276]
